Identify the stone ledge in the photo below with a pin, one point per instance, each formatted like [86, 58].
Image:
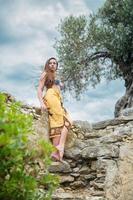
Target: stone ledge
[111, 122]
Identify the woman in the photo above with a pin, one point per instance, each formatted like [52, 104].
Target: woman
[59, 119]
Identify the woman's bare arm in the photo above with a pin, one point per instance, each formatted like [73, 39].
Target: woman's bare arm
[40, 90]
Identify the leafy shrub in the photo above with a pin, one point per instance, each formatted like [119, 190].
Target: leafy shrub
[17, 183]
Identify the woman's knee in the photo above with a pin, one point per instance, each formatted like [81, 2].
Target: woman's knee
[67, 125]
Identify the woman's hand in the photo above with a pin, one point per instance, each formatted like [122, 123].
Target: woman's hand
[43, 107]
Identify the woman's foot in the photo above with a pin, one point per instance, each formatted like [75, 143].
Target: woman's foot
[61, 152]
[55, 156]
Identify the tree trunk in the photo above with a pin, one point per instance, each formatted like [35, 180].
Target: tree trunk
[125, 101]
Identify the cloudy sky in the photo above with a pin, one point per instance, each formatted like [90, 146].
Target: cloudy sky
[28, 29]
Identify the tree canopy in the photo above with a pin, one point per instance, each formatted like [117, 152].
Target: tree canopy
[97, 46]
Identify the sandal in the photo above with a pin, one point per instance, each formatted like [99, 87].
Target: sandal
[61, 152]
[55, 157]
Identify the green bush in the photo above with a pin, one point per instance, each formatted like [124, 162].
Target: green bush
[17, 183]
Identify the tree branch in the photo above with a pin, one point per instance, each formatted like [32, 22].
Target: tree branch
[96, 56]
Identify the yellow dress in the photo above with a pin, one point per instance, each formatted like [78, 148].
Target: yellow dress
[58, 116]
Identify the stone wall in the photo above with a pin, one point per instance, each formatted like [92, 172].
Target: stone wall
[98, 161]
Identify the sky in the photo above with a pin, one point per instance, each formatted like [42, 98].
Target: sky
[28, 29]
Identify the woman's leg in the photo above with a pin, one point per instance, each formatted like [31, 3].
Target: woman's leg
[62, 141]
[55, 142]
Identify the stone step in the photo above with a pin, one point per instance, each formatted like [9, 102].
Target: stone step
[72, 196]
[78, 194]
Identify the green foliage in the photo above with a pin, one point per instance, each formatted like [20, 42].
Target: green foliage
[97, 47]
[74, 38]
[16, 183]
[115, 25]
[46, 149]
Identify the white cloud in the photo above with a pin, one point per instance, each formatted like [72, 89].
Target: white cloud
[79, 7]
[93, 111]
[31, 26]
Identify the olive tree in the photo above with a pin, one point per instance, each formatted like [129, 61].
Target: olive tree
[96, 47]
